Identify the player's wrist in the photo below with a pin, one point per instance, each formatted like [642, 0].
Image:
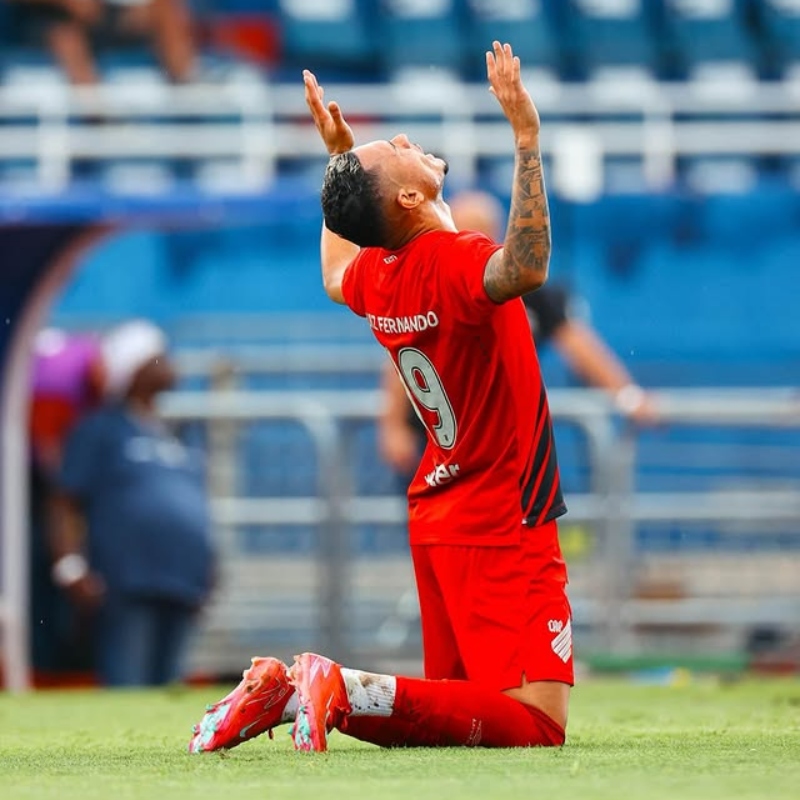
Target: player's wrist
[527, 139]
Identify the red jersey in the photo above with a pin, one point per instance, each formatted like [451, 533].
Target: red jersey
[469, 366]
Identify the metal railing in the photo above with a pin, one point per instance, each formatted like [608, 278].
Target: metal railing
[257, 125]
[320, 602]
[359, 604]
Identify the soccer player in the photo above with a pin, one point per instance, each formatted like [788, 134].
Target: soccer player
[401, 435]
[496, 621]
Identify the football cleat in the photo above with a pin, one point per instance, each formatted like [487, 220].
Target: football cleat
[256, 705]
[322, 700]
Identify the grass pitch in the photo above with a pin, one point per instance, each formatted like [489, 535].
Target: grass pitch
[626, 740]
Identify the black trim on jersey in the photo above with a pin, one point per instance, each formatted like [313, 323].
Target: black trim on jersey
[527, 479]
[549, 500]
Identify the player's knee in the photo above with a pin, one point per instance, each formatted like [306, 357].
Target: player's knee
[549, 728]
[551, 698]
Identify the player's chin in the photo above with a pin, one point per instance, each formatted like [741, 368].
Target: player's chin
[443, 162]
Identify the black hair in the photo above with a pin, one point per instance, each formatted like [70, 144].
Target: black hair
[351, 201]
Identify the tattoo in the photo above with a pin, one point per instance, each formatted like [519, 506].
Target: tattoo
[521, 266]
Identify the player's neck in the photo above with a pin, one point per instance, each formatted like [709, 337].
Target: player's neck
[429, 219]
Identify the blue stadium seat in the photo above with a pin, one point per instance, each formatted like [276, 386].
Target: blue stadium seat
[14, 49]
[715, 175]
[779, 22]
[750, 219]
[529, 25]
[328, 34]
[422, 34]
[703, 32]
[634, 218]
[280, 460]
[612, 33]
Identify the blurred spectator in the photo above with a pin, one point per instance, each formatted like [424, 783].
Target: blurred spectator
[132, 534]
[74, 30]
[67, 379]
[402, 436]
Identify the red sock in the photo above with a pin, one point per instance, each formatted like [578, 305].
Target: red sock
[452, 714]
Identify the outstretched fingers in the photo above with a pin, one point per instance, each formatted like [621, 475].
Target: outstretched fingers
[336, 112]
[515, 68]
[505, 83]
[504, 56]
[502, 66]
[314, 94]
[329, 119]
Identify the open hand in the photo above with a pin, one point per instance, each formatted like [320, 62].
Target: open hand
[505, 83]
[335, 132]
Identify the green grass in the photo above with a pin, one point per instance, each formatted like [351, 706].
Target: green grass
[626, 740]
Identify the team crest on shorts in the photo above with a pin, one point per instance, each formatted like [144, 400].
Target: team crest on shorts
[562, 641]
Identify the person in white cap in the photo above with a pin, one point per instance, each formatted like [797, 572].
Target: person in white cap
[132, 532]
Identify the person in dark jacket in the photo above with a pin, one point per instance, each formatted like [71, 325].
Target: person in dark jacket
[132, 530]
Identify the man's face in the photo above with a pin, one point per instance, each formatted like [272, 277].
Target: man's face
[157, 375]
[401, 163]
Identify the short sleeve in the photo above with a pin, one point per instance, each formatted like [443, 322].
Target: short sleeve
[462, 271]
[82, 457]
[547, 311]
[352, 290]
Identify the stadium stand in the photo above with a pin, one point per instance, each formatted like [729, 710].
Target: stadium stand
[662, 263]
[243, 30]
[778, 23]
[421, 37]
[612, 34]
[335, 36]
[531, 24]
[710, 35]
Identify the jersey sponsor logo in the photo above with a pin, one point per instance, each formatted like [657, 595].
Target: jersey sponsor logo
[444, 473]
[414, 323]
[562, 641]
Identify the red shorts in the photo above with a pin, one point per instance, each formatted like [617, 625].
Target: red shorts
[494, 614]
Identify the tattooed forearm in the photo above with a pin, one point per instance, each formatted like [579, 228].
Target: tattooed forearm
[521, 266]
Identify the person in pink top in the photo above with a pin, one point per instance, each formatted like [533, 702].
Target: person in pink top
[67, 380]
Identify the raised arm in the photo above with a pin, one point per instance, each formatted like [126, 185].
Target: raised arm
[336, 253]
[521, 266]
